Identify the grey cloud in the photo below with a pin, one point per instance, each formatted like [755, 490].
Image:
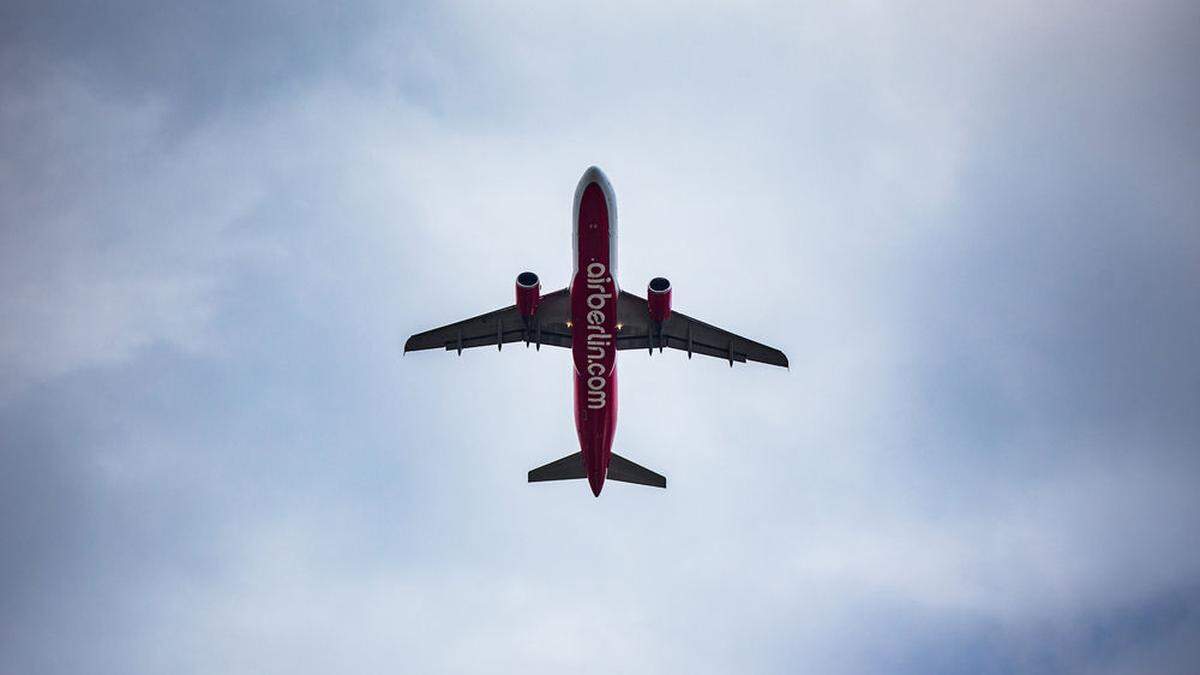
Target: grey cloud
[969, 228]
[199, 57]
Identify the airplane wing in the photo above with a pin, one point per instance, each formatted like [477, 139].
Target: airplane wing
[683, 332]
[547, 327]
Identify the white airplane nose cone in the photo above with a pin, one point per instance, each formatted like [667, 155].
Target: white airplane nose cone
[595, 174]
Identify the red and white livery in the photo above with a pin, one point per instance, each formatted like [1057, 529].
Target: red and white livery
[595, 319]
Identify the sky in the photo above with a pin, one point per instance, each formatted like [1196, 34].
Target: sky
[971, 226]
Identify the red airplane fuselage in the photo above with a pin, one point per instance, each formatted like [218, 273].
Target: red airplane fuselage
[594, 323]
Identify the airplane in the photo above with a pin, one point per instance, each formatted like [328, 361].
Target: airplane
[595, 319]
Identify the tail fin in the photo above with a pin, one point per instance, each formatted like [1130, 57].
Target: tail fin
[626, 471]
[567, 468]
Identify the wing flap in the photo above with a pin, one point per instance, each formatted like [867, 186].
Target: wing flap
[644, 342]
[684, 333]
[502, 326]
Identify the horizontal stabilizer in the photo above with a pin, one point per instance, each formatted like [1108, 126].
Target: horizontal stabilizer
[626, 471]
[567, 468]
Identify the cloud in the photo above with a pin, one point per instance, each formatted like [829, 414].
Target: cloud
[969, 228]
[112, 242]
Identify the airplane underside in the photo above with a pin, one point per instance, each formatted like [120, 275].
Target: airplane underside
[595, 319]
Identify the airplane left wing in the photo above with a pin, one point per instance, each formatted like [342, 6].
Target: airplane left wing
[548, 326]
[682, 332]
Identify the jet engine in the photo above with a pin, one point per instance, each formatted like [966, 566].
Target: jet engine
[529, 293]
[658, 299]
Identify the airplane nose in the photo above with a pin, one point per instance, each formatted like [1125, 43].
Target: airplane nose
[594, 174]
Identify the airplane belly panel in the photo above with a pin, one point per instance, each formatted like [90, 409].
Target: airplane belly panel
[594, 327]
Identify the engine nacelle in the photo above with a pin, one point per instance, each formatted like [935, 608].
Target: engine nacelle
[658, 299]
[529, 293]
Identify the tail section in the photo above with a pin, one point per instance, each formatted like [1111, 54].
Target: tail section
[626, 471]
[620, 469]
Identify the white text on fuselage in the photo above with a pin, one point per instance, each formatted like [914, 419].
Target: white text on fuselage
[598, 342]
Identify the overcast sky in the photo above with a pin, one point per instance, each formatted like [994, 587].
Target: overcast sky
[973, 229]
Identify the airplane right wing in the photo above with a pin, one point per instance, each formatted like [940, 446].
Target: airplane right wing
[682, 332]
[548, 326]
